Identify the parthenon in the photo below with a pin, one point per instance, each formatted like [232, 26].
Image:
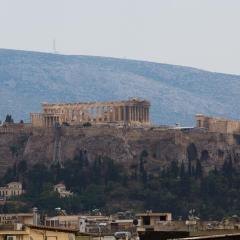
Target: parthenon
[132, 111]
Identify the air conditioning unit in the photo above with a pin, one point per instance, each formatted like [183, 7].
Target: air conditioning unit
[11, 238]
[18, 226]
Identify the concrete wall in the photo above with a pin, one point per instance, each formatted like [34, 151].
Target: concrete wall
[50, 235]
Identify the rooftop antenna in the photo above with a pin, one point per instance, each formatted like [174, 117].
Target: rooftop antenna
[54, 46]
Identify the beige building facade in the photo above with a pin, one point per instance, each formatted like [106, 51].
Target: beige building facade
[152, 219]
[84, 224]
[11, 189]
[31, 232]
[131, 111]
[220, 125]
[11, 218]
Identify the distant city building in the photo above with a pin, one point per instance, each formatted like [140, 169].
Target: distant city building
[66, 221]
[11, 189]
[160, 226]
[61, 189]
[33, 232]
[152, 221]
[84, 224]
[132, 111]
[220, 125]
[23, 218]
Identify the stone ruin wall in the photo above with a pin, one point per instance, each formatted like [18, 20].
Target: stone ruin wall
[219, 125]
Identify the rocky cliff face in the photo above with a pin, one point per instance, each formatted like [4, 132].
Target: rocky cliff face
[160, 146]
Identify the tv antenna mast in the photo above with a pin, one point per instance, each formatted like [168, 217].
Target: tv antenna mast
[54, 47]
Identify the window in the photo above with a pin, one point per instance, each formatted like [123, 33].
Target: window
[71, 236]
[163, 218]
[146, 220]
[11, 237]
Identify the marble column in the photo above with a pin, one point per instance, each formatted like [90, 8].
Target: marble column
[145, 117]
[124, 113]
[147, 114]
[130, 113]
[82, 115]
[108, 113]
[97, 114]
[141, 114]
[134, 114]
[131, 109]
[136, 111]
[137, 114]
[120, 113]
[102, 113]
[113, 114]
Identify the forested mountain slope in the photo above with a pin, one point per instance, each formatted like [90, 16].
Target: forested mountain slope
[176, 93]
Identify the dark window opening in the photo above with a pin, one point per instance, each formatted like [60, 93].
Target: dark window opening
[146, 220]
[199, 123]
[163, 218]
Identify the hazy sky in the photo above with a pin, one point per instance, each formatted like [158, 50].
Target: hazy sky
[198, 33]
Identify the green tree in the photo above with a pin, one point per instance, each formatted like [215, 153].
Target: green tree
[9, 119]
[198, 172]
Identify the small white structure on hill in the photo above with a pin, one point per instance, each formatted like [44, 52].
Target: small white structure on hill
[61, 189]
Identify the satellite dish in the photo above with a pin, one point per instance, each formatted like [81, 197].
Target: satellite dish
[135, 222]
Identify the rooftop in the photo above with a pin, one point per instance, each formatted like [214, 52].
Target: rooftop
[152, 214]
[136, 99]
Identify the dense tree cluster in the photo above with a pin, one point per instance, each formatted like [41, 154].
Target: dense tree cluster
[103, 183]
[9, 119]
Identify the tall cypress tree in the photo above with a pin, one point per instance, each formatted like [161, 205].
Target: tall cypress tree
[198, 172]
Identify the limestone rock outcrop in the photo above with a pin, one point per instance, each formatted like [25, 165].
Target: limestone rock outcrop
[124, 145]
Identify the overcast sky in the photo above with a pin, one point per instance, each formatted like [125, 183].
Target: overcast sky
[198, 33]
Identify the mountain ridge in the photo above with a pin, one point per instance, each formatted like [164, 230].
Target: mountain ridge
[177, 93]
[116, 58]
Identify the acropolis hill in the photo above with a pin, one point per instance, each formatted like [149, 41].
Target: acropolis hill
[120, 131]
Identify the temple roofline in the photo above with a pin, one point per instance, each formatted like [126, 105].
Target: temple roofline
[129, 101]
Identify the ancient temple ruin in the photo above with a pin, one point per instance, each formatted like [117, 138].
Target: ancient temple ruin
[132, 111]
[216, 124]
